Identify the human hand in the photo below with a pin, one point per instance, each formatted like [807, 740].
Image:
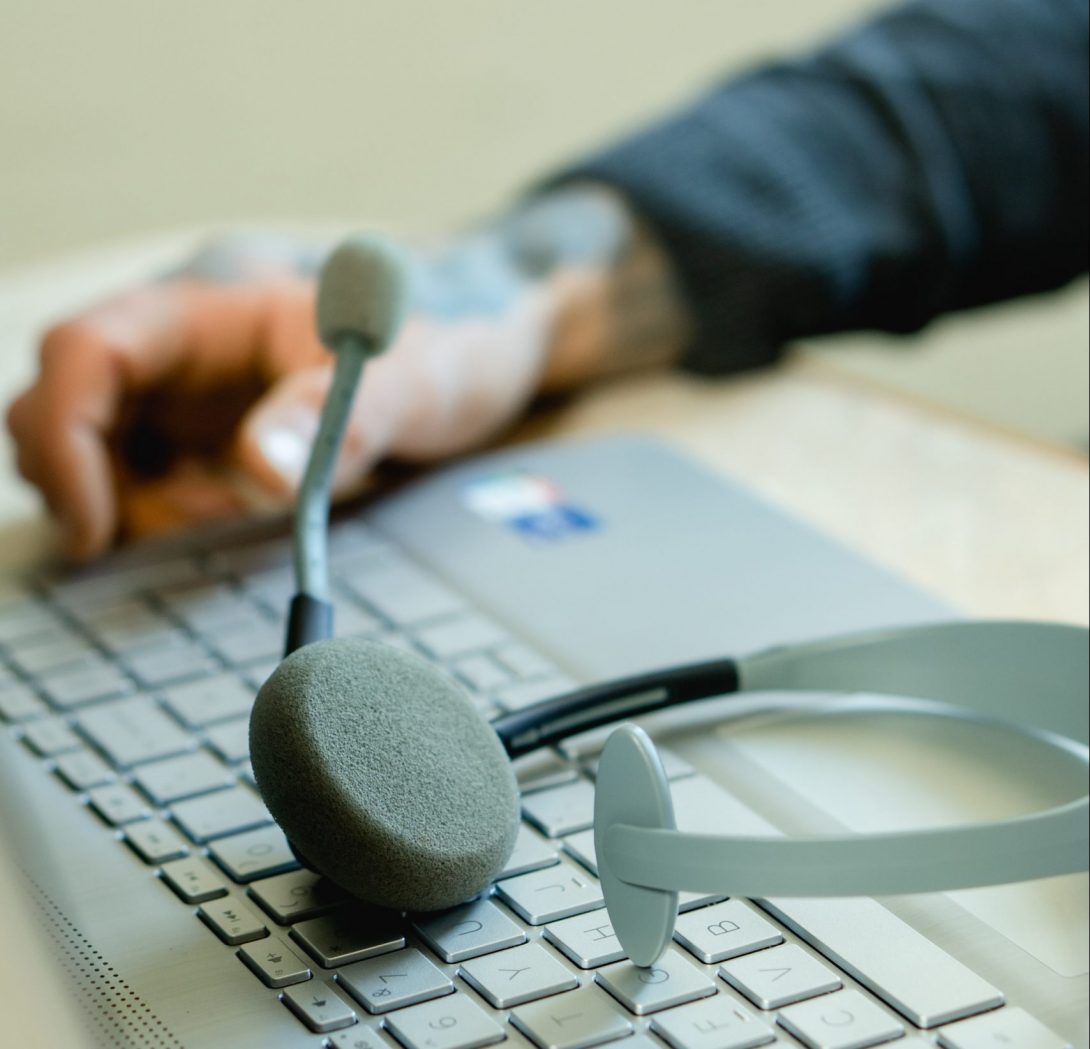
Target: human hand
[191, 399]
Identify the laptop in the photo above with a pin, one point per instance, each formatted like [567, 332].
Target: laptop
[151, 902]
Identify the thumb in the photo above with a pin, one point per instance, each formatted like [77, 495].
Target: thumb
[273, 441]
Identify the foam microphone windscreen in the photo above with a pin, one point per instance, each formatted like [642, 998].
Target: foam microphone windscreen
[383, 775]
[362, 291]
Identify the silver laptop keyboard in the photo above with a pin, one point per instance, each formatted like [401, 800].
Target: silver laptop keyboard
[134, 687]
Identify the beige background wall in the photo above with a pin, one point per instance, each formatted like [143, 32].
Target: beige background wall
[123, 116]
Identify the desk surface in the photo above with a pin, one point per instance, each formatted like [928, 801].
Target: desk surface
[992, 522]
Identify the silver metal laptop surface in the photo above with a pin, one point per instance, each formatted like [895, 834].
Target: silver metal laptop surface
[185, 921]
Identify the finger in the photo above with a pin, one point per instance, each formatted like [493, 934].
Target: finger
[193, 492]
[184, 336]
[274, 441]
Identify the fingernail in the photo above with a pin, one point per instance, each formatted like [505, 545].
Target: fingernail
[285, 446]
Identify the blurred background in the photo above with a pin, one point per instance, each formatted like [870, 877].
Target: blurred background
[123, 117]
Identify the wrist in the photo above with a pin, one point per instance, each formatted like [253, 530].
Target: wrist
[614, 302]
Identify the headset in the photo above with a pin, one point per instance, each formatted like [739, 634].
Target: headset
[386, 780]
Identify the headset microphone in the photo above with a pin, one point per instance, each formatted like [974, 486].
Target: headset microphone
[385, 778]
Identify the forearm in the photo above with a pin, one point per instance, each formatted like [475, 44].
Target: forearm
[932, 160]
[616, 303]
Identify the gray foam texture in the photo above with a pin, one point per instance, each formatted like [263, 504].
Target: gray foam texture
[362, 290]
[383, 775]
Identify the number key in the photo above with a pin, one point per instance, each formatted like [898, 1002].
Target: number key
[453, 1022]
[394, 981]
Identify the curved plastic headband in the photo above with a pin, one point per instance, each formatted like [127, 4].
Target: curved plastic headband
[1033, 676]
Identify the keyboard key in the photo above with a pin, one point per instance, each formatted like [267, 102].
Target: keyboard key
[126, 625]
[49, 736]
[182, 777]
[193, 880]
[845, 1020]
[587, 939]
[216, 698]
[131, 731]
[254, 854]
[727, 930]
[453, 1022]
[468, 931]
[1001, 1029]
[24, 617]
[900, 965]
[175, 660]
[716, 1023]
[249, 645]
[87, 683]
[83, 769]
[779, 976]
[231, 921]
[205, 606]
[482, 673]
[118, 803]
[572, 1021]
[349, 935]
[531, 853]
[155, 842]
[556, 892]
[394, 981]
[319, 1006]
[274, 963]
[297, 896]
[230, 740]
[520, 974]
[61, 646]
[19, 703]
[359, 1037]
[524, 662]
[670, 981]
[580, 847]
[561, 810]
[223, 812]
[459, 636]
[402, 594]
[108, 583]
[524, 694]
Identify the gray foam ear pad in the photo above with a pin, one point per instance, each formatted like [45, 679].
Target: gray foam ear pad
[383, 775]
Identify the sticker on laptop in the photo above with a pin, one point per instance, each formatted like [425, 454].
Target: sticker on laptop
[528, 504]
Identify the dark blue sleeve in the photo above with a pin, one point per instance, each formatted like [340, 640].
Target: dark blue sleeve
[934, 159]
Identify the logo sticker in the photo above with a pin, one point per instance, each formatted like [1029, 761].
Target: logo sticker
[530, 505]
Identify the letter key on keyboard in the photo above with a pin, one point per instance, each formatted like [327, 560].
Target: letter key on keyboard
[520, 974]
[467, 931]
[727, 930]
[670, 981]
[779, 976]
[844, 1020]
[715, 1023]
[587, 939]
[575, 1020]
[556, 892]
